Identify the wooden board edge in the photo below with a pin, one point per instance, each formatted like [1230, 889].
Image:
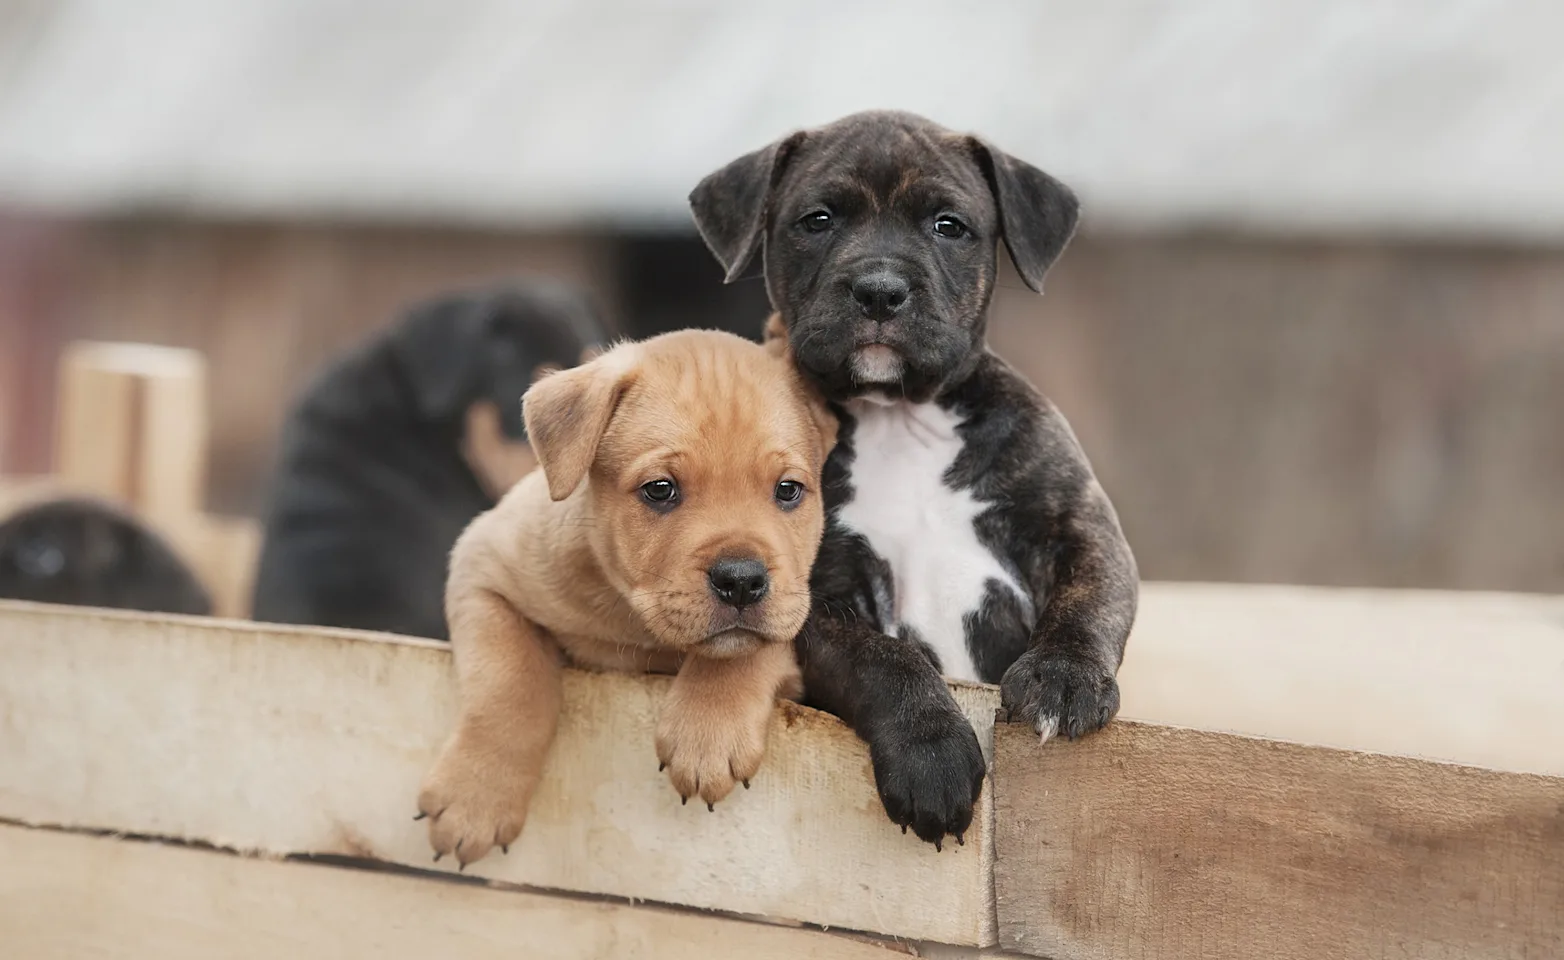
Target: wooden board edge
[68, 894]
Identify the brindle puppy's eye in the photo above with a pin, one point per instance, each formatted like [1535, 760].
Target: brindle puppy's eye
[950, 228]
[817, 221]
[660, 494]
[789, 493]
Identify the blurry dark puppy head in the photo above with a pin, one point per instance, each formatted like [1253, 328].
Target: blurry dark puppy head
[878, 234]
[87, 553]
[488, 346]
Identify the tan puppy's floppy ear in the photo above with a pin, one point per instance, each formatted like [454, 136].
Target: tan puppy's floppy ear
[566, 414]
[825, 421]
[774, 338]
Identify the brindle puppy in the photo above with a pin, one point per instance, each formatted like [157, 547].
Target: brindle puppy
[966, 532]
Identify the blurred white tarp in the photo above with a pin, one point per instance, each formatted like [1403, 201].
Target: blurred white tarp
[1417, 117]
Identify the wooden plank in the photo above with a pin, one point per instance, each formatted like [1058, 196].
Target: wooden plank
[68, 896]
[171, 484]
[1154, 842]
[1466, 677]
[96, 425]
[296, 741]
[132, 426]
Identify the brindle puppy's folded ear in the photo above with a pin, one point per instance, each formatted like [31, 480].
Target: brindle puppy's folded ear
[567, 413]
[1036, 212]
[731, 205]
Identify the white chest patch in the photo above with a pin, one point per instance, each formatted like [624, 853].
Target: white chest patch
[920, 526]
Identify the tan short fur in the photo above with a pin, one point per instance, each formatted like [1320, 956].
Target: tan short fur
[573, 566]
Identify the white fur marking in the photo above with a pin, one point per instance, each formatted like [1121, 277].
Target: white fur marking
[920, 526]
[877, 363]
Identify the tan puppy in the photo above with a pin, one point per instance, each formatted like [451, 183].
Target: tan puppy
[671, 528]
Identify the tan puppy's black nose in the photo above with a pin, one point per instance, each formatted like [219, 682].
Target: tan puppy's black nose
[738, 582]
[880, 294]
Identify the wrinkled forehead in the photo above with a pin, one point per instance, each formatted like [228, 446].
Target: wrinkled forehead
[696, 422]
[885, 161]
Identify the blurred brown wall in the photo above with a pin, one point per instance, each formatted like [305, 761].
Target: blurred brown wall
[1260, 410]
[1388, 415]
[266, 304]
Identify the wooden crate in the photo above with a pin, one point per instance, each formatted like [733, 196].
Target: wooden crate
[1152, 840]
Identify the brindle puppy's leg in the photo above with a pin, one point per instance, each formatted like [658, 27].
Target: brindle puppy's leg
[509, 673]
[1066, 682]
[928, 764]
[711, 733]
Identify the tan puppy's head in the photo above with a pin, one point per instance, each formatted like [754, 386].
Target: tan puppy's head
[695, 457]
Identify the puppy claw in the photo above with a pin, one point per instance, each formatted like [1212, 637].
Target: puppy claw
[437, 857]
[904, 829]
[1046, 728]
[746, 784]
[961, 839]
[683, 800]
[939, 845]
[420, 815]
[711, 808]
[661, 767]
[505, 848]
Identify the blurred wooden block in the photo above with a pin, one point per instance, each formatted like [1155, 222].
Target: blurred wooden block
[132, 426]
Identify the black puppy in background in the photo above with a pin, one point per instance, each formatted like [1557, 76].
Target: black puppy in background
[89, 553]
[380, 468]
[966, 533]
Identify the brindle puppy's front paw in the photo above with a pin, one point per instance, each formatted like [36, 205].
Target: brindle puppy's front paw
[475, 799]
[1062, 694]
[929, 770]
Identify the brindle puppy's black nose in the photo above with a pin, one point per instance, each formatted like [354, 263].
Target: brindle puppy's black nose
[738, 582]
[880, 294]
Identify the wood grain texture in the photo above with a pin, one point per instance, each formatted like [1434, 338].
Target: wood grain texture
[1160, 843]
[66, 896]
[1475, 678]
[284, 740]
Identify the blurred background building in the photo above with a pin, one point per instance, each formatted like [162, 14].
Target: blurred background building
[1311, 331]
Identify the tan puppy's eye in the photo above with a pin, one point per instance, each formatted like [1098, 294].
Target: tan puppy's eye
[789, 493]
[661, 494]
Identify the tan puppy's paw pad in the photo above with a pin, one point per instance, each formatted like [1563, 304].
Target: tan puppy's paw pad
[474, 802]
[708, 756]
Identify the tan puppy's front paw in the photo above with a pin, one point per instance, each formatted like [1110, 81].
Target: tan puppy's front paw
[705, 753]
[475, 799]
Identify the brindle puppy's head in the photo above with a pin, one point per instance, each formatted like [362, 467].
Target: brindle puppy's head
[878, 235]
[701, 454]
